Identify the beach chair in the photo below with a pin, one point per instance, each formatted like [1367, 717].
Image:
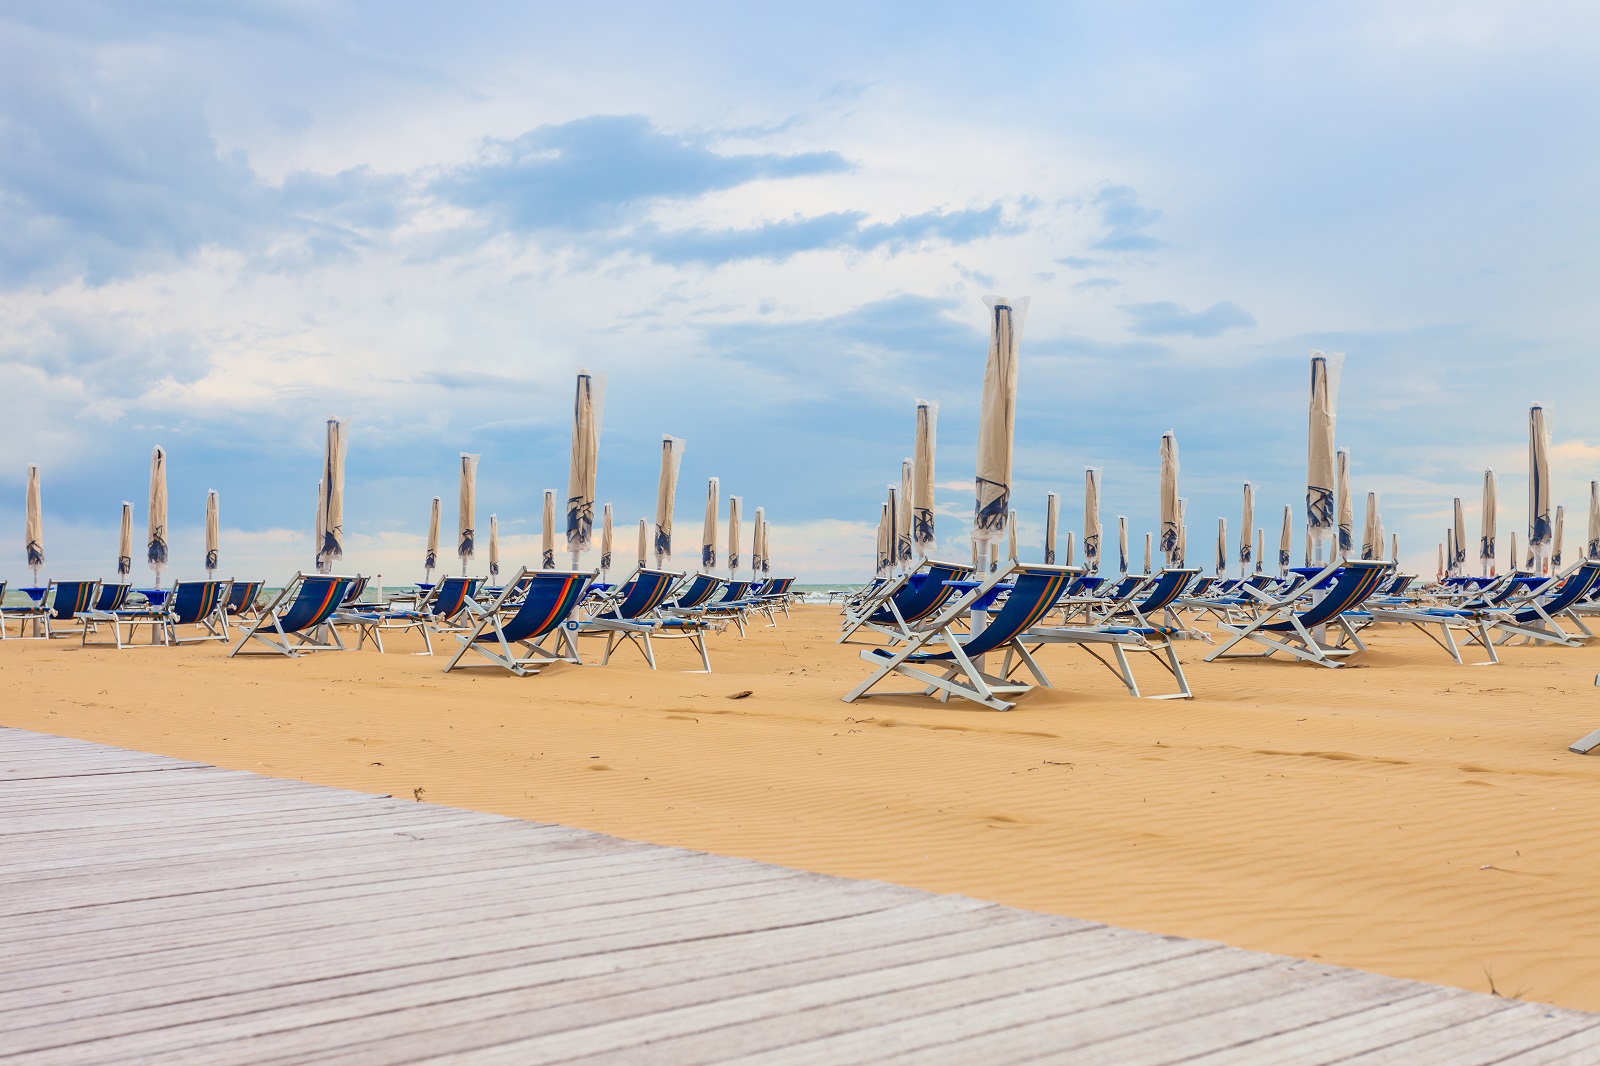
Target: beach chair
[775, 597]
[1151, 603]
[920, 598]
[549, 598]
[197, 603]
[695, 595]
[1285, 624]
[1534, 616]
[1130, 629]
[629, 615]
[243, 597]
[295, 622]
[731, 605]
[66, 602]
[945, 661]
[32, 614]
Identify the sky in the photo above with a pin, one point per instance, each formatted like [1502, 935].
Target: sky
[772, 231]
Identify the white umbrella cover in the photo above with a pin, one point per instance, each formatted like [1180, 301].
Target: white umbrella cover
[1249, 522]
[156, 542]
[1169, 498]
[1556, 537]
[1347, 507]
[33, 533]
[1261, 547]
[885, 538]
[1011, 537]
[431, 558]
[587, 403]
[667, 496]
[547, 548]
[1593, 547]
[1458, 562]
[467, 511]
[333, 455]
[905, 536]
[1321, 472]
[1491, 508]
[494, 545]
[1052, 518]
[1122, 544]
[1222, 546]
[708, 533]
[997, 418]
[1091, 519]
[1539, 529]
[125, 541]
[1371, 534]
[1147, 539]
[735, 505]
[644, 544]
[922, 477]
[1285, 543]
[605, 542]
[213, 532]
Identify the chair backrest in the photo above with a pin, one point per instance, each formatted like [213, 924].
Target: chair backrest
[318, 596]
[110, 598]
[701, 589]
[927, 596]
[352, 595]
[242, 595]
[552, 595]
[451, 595]
[1202, 585]
[193, 600]
[1168, 587]
[734, 592]
[72, 597]
[1034, 591]
[1353, 584]
[778, 586]
[1125, 587]
[644, 593]
[1573, 588]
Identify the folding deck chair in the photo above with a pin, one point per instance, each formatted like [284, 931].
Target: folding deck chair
[1034, 592]
[731, 605]
[300, 611]
[920, 597]
[198, 603]
[692, 597]
[64, 602]
[549, 599]
[242, 597]
[629, 615]
[1280, 627]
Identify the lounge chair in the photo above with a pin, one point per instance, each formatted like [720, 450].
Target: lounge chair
[65, 602]
[1285, 623]
[731, 605]
[937, 645]
[548, 601]
[695, 595]
[629, 615]
[300, 611]
[242, 599]
[921, 597]
[197, 603]
[774, 596]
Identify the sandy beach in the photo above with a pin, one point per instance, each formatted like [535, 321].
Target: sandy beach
[1404, 815]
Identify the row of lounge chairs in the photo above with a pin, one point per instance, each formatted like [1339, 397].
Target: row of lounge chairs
[918, 622]
[86, 609]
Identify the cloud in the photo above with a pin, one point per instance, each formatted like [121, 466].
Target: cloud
[1124, 220]
[1096, 283]
[601, 171]
[1167, 319]
[778, 241]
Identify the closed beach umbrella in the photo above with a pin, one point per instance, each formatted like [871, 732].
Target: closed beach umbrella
[1458, 562]
[1011, 537]
[322, 516]
[1052, 518]
[1556, 538]
[494, 545]
[997, 418]
[1491, 506]
[583, 463]
[894, 530]
[1261, 547]
[976, 561]
[905, 542]
[1512, 562]
[1147, 539]
[547, 549]
[735, 505]
[766, 547]
[1122, 544]
[758, 544]
[882, 567]
[333, 478]
[1321, 472]
[1249, 523]
[125, 542]
[1394, 547]
[667, 496]
[1169, 498]
[33, 532]
[922, 478]
[1347, 507]
[1222, 546]
[1449, 550]
[1539, 529]
[1285, 543]
[708, 534]
[1441, 571]
[156, 542]
[1371, 534]
[431, 559]
[1066, 560]
[466, 524]
[644, 544]
[1091, 519]
[605, 542]
[1183, 531]
[213, 532]
[1593, 547]
[994, 556]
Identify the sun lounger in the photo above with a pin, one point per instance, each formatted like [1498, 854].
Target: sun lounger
[242, 599]
[1285, 624]
[774, 597]
[65, 602]
[695, 595]
[937, 645]
[629, 615]
[730, 606]
[189, 603]
[923, 595]
[299, 612]
[548, 600]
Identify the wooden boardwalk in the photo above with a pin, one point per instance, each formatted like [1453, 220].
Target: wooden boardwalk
[153, 910]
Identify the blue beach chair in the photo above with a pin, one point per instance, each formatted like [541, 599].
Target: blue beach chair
[1285, 624]
[196, 603]
[300, 611]
[243, 597]
[913, 601]
[629, 615]
[549, 597]
[65, 602]
[937, 645]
